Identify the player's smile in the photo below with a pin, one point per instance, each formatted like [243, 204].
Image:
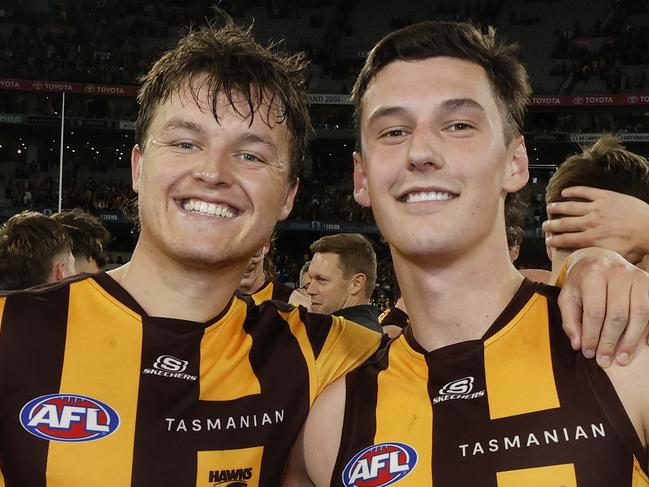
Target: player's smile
[207, 208]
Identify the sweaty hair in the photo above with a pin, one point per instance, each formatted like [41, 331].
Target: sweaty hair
[605, 165]
[459, 40]
[29, 243]
[356, 255]
[88, 234]
[234, 65]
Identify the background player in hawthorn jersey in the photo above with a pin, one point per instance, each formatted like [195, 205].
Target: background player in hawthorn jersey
[180, 380]
[440, 110]
[259, 281]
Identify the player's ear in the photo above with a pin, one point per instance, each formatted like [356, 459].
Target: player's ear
[358, 283]
[517, 173]
[58, 271]
[137, 157]
[361, 195]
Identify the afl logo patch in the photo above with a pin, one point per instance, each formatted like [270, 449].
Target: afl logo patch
[68, 417]
[380, 465]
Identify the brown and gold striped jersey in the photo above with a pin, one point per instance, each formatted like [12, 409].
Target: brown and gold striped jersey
[94, 392]
[517, 408]
[272, 290]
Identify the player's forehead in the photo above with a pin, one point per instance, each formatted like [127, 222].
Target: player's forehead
[325, 263]
[423, 84]
[255, 106]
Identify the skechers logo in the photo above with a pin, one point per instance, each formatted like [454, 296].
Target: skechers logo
[68, 417]
[380, 465]
[460, 386]
[170, 366]
[230, 478]
[458, 389]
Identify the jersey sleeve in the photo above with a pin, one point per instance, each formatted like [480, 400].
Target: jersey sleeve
[345, 347]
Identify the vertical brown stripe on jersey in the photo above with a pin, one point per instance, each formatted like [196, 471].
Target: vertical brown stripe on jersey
[582, 405]
[165, 445]
[281, 374]
[458, 368]
[359, 426]
[317, 329]
[227, 339]
[406, 417]
[102, 361]
[32, 340]
[299, 331]
[518, 364]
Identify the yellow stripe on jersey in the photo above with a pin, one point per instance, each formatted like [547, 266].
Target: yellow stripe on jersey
[219, 466]
[264, 294]
[2, 308]
[518, 364]
[227, 375]
[347, 346]
[2, 479]
[640, 478]
[102, 361]
[299, 332]
[554, 475]
[409, 376]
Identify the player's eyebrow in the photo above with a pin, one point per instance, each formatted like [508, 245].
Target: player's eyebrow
[449, 105]
[177, 123]
[457, 103]
[387, 111]
[253, 138]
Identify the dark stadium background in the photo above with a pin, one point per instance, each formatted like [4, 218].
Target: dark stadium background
[588, 61]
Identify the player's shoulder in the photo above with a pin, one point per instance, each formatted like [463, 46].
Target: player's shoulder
[45, 291]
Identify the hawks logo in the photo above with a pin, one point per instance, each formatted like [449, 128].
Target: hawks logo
[380, 465]
[68, 417]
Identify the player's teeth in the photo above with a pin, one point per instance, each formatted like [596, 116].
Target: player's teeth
[205, 208]
[428, 196]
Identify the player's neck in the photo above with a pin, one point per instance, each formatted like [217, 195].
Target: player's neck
[457, 301]
[166, 288]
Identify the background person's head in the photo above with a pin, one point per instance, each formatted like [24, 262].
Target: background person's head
[342, 272]
[221, 132]
[444, 104]
[606, 164]
[305, 278]
[89, 236]
[34, 250]
[254, 275]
